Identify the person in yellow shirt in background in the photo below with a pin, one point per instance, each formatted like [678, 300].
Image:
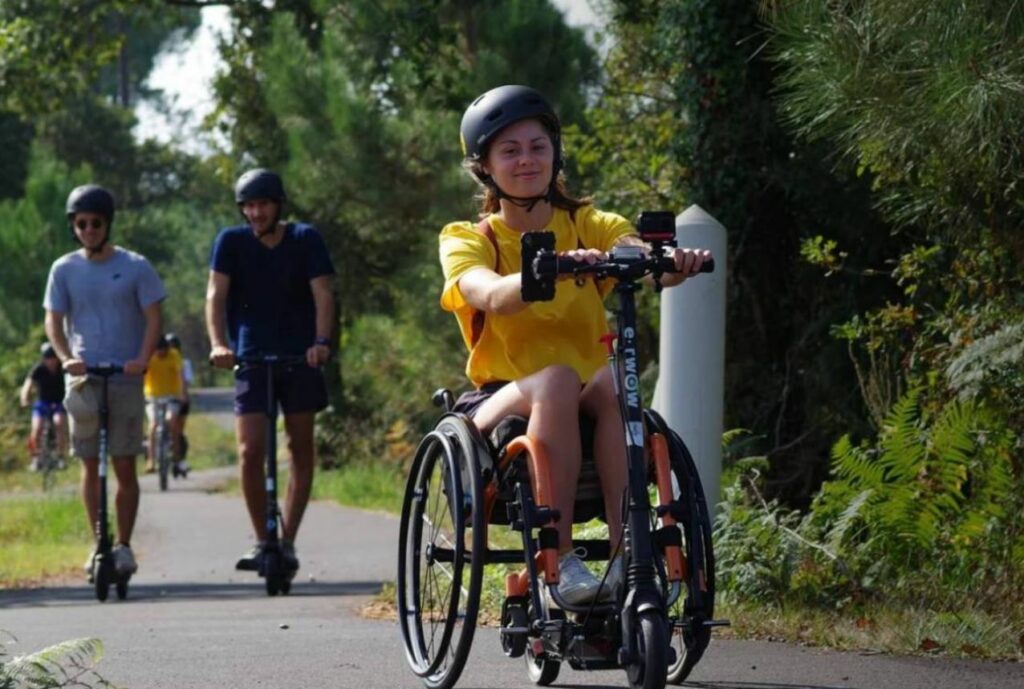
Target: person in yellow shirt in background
[165, 384]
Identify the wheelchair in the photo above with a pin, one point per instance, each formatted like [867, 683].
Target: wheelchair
[659, 621]
[461, 483]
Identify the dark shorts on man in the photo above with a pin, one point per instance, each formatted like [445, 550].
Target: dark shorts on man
[470, 402]
[299, 389]
[47, 409]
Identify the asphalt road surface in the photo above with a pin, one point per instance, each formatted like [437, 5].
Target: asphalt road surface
[191, 620]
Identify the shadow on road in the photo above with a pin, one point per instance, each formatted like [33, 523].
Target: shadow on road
[760, 685]
[156, 593]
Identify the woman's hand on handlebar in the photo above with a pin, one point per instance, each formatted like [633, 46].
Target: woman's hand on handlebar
[317, 355]
[135, 367]
[222, 357]
[75, 367]
[588, 256]
[688, 262]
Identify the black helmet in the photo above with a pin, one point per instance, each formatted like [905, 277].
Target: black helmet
[91, 198]
[500, 107]
[47, 351]
[172, 340]
[162, 344]
[259, 184]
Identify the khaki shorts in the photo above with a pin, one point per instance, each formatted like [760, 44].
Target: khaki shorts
[124, 428]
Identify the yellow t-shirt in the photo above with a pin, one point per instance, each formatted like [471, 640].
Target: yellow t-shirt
[564, 331]
[163, 375]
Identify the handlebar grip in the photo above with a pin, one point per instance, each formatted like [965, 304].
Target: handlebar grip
[668, 266]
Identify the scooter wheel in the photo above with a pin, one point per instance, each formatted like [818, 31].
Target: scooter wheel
[273, 572]
[286, 586]
[101, 576]
[122, 587]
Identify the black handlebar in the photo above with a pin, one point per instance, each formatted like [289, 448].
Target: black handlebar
[104, 370]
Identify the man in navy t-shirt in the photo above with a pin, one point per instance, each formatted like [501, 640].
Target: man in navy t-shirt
[269, 293]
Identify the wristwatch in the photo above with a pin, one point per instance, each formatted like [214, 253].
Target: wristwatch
[326, 342]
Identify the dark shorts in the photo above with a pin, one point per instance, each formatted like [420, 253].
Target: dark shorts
[47, 409]
[469, 402]
[298, 388]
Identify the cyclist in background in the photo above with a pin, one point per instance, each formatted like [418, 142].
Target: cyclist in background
[47, 376]
[163, 385]
[187, 376]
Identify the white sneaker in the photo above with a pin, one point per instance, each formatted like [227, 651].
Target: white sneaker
[575, 582]
[124, 559]
[88, 565]
[615, 578]
[35, 465]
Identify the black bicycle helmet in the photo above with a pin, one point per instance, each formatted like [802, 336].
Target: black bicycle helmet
[259, 183]
[91, 198]
[172, 340]
[47, 351]
[500, 107]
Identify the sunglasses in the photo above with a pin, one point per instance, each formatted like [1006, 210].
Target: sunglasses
[94, 223]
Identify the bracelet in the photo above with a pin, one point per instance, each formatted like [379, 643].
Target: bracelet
[326, 342]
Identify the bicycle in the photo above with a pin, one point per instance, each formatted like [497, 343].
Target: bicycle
[49, 461]
[272, 566]
[103, 572]
[163, 441]
[460, 483]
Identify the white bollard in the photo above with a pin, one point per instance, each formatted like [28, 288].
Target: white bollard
[690, 390]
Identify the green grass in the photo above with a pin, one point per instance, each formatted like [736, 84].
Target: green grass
[363, 485]
[41, 537]
[210, 445]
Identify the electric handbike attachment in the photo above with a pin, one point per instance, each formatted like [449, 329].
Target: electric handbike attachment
[658, 624]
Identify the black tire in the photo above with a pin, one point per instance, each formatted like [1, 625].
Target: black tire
[102, 573]
[439, 578]
[122, 587]
[541, 671]
[514, 645]
[163, 458]
[696, 604]
[648, 671]
[286, 585]
[273, 572]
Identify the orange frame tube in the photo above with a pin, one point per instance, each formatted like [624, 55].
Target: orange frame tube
[675, 563]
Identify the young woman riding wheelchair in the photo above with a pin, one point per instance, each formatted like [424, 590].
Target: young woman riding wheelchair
[527, 286]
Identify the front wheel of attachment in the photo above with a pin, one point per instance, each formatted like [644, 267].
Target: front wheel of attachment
[442, 541]
[648, 669]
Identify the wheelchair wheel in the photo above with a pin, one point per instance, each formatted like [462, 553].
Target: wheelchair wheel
[696, 605]
[442, 542]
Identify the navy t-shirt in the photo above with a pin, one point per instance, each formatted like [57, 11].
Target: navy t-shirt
[270, 306]
[51, 383]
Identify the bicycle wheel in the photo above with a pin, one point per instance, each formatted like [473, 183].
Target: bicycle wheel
[163, 455]
[648, 669]
[439, 577]
[122, 586]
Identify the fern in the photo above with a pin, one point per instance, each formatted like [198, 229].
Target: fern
[69, 663]
[1000, 354]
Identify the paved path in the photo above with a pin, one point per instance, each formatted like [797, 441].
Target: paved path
[191, 621]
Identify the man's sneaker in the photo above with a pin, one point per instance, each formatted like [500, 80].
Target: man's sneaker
[88, 565]
[575, 582]
[35, 465]
[291, 560]
[615, 578]
[251, 561]
[124, 559]
[181, 469]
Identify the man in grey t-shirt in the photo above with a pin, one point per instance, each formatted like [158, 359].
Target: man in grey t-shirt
[103, 307]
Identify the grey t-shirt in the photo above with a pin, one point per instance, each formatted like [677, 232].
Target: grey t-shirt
[103, 303]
